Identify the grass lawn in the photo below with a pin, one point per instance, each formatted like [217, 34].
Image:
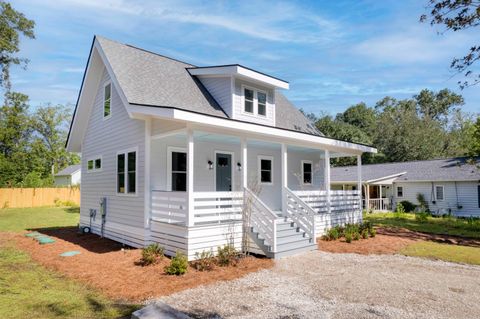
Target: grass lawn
[453, 253]
[28, 290]
[433, 225]
[20, 219]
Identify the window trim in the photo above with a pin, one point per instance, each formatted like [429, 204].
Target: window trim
[259, 169]
[103, 101]
[94, 158]
[303, 172]
[403, 191]
[170, 150]
[125, 152]
[255, 113]
[443, 193]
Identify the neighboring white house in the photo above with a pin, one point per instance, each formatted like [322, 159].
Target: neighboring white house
[450, 185]
[177, 150]
[69, 176]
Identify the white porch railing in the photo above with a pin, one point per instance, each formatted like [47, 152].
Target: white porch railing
[339, 200]
[300, 212]
[262, 219]
[169, 207]
[217, 207]
[382, 204]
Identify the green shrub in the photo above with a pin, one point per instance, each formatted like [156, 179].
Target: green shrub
[227, 255]
[421, 217]
[204, 260]
[399, 211]
[356, 236]
[178, 265]
[365, 234]
[408, 206]
[373, 232]
[348, 237]
[151, 254]
[332, 234]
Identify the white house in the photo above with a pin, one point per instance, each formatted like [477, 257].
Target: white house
[69, 176]
[450, 185]
[178, 150]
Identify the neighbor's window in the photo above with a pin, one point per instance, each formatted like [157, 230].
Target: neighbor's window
[248, 100]
[439, 192]
[106, 100]
[94, 164]
[307, 172]
[399, 191]
[179, 171]
[265, 170]
[262, 103]
[127, 173]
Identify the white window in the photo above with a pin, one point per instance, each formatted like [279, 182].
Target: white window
[307, 172]
[127, 172]
[439, 192]
[107, 96]
[262, 103]
[265, 170]
[177, 169]
[254, 102]
[248, 96]
[94, 164]
[400, 191]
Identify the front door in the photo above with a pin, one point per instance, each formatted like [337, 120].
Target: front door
[223, 169]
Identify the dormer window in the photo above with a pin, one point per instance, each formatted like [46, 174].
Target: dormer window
[248, 101]
[254, 102]
[262, 103]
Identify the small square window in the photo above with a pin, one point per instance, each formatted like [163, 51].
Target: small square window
[90, 165]
[98, 163]
[399, 191]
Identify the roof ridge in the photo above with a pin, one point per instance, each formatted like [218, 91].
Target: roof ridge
[414, 161]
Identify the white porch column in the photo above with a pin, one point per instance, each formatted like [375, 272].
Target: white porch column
[327, 179]
[190, 172]
[359, 172]
[381, 197]
[284, 176]
[146, 188]
[244, 163]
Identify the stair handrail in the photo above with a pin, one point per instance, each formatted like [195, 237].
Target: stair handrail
[306, 220]
[265, 222]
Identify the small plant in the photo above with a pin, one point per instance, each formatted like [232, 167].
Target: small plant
[408, 207]
[332, 234]
[151, 254]
[356, 236]
[421, 217]
[227, 255]
[423, 202]
[348, 237]
[178, 265]
[373, 232]
[204, 260]
[365, 234]
[399, 211]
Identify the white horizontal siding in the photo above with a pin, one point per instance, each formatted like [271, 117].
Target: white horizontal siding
[221, 90]
[104, 138]
[465, 195]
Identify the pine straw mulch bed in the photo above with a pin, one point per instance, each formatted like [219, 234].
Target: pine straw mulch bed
[104, 265]
[390, 240]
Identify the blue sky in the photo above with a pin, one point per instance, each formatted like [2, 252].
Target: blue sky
[333, 53]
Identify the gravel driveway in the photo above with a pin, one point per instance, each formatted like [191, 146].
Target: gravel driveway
[325, 285]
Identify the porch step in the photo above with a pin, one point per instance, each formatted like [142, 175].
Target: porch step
[290, 240]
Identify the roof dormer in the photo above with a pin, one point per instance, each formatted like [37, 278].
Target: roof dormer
[243, 93]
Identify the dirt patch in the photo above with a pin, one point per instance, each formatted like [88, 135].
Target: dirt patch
[390, 240]
[104, 265]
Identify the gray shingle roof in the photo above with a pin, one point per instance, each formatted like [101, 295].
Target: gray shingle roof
[449, 169]
[151, 79]
[69, 170]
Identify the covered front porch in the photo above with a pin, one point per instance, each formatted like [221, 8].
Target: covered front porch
[205, 179]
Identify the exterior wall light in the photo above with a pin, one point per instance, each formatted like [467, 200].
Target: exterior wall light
[239, 166]
[210, 164]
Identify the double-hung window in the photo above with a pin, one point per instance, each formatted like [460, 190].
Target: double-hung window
[262, 103]
[178, 171]
[254, 102]
[265, 169]
[307, 172]
[399, 191]
[439, 192]
[107, 96]
[127, 172]
[248, 95]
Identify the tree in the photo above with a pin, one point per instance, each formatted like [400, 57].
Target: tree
[474, 148]
[437, 106]
[12, 25]
[50, 125]
[457, 15]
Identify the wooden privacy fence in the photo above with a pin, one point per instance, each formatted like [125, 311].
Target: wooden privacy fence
[35, 197]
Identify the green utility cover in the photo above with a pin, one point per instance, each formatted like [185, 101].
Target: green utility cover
[70, 253]
[45, 240]
[33, 234]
